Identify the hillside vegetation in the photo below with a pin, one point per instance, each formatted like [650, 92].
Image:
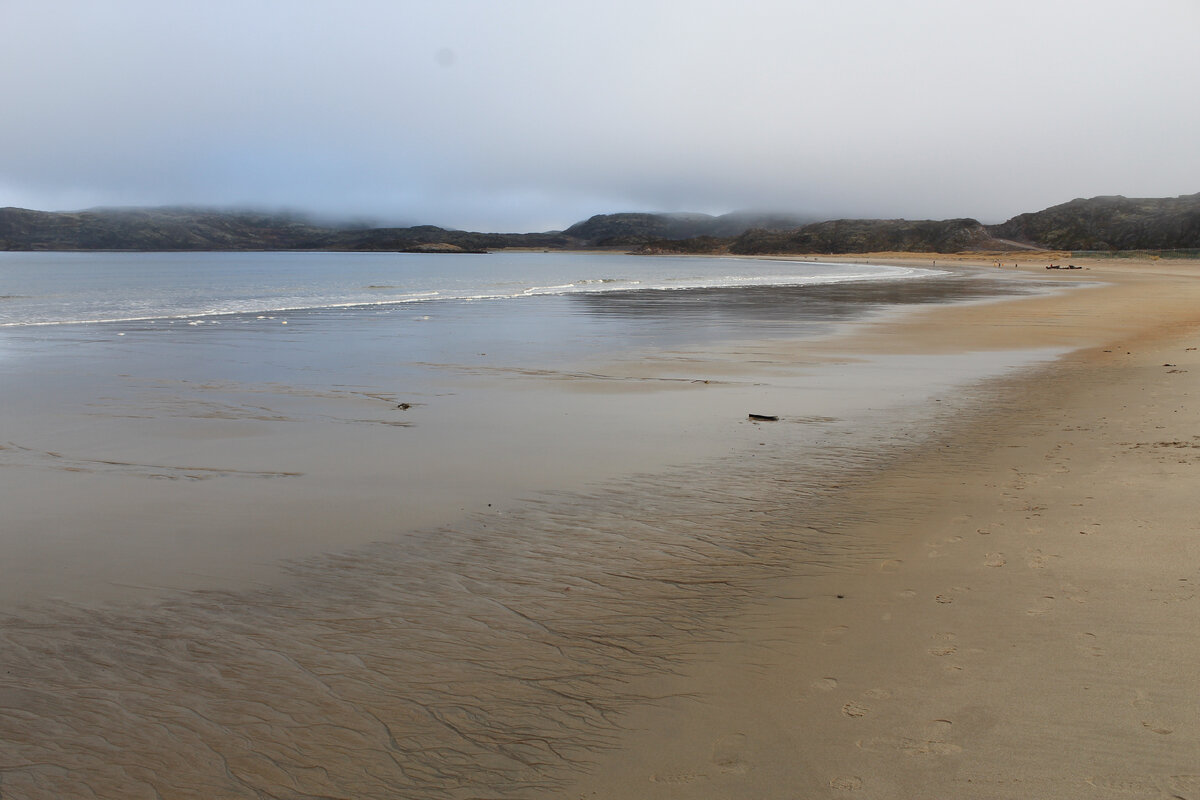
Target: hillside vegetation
[1100, 223]
[1110, 223]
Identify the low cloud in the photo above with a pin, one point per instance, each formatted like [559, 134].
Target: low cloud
[531, 115]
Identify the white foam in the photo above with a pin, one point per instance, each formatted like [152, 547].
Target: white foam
[461, 289]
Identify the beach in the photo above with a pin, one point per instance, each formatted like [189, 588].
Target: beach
[983, 587]
[1028, 629]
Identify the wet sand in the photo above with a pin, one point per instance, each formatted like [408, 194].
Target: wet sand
[996, 605]
[149, 458]
[1028, 626]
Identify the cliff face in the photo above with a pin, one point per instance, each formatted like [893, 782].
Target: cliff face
[1110, 223]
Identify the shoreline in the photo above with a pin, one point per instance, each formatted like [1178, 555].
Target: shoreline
[699, 634]
[234, 465]
[1026, 631]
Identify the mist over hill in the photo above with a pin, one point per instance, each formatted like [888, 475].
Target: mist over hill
[1099, 223]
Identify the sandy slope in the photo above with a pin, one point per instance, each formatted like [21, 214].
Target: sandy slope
[1032, 630]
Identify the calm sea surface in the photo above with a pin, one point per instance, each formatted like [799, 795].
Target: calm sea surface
[345, 311]
[63, 288]
[182, 420]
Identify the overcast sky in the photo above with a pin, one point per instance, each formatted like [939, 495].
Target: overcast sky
[511, 115]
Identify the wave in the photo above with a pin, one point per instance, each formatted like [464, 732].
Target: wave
[262, 308]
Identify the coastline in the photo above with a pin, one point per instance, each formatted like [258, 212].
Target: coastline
[682, 634]
[1027, 629]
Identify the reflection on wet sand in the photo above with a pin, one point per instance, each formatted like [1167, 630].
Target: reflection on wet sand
[821, 303]
[485, 660]
[12, 454]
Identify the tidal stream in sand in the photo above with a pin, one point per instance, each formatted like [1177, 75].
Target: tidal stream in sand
[374, 525]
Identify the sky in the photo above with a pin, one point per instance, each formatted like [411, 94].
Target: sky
[520, 115]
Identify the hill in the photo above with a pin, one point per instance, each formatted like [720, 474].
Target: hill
[1110, 223]
[868, 236]
[207, 229]
[631, 229]
[170, 229]
[152, 229]
[1099, 223]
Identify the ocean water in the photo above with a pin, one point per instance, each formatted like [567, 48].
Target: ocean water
[194, 420]
[72, 288]
[349, 312]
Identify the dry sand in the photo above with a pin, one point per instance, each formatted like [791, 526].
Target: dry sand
[1006, 609]
[1032, 628]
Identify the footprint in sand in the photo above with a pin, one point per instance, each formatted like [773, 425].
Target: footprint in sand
[1043, 606]
[891, 565]
[680, 779]
[950, 595]
[944, 648]
[847, 783]
[855, 709]
[934, 552]
[929, 740]
[1036, 559]
[1073, 592]
[825, 684]
[1086, 644]
[727, 753]
[1157, 727]
[937, 730]
[1186, 783]
[1182, 592]
[932, 740]
[994, 560]
[1123, 785]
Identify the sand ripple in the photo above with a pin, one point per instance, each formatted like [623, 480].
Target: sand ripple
[490, 658]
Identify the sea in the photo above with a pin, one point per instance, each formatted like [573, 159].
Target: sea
[79, 288]
[381, 524]
[392, 392]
